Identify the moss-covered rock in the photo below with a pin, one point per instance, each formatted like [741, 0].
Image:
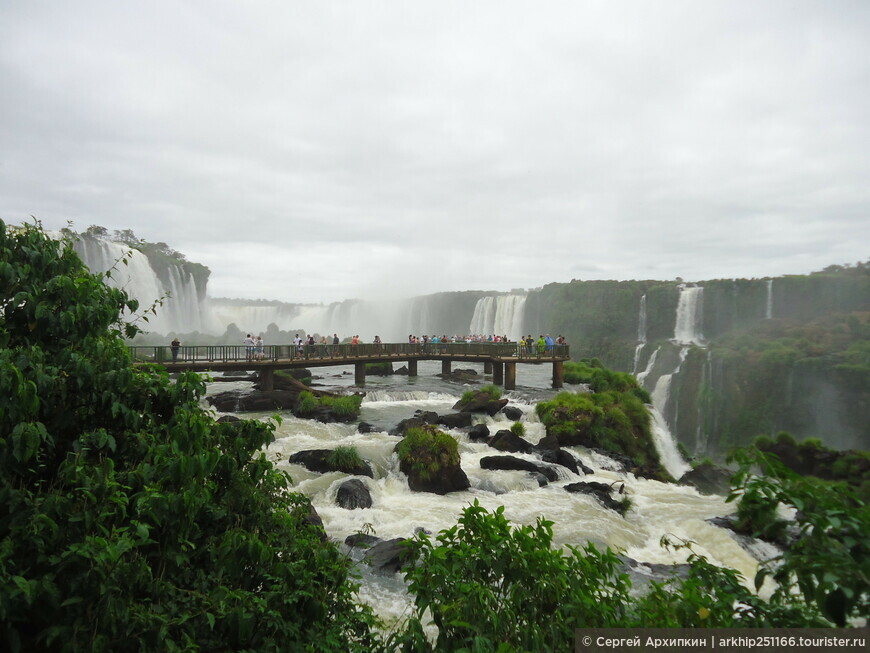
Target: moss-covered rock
[430, 459]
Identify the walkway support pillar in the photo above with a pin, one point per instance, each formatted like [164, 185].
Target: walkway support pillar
[267, 378]
[557, 374]
[412, 367]
[445, 367]
[510, 376]
[497, 373]
[359, 373]
[487, 367]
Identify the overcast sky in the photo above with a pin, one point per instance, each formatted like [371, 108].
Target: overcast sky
[317, 151]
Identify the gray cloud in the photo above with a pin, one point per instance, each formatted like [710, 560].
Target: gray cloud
[313, 151]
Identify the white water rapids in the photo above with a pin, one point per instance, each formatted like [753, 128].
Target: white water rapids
[658, 508]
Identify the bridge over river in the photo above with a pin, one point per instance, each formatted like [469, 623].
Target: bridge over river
[499, 359]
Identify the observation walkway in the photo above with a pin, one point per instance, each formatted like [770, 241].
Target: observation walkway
[499, 359]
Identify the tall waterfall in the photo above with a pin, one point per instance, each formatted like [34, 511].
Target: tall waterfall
[769, 312]
[499, 315]
[687, 329]
[184, 308]
[664, 439]
[641, 333]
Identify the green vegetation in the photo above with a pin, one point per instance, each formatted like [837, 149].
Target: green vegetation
[616, 421]
[492, 587]
[345, 408]
[131, 519]
[345, 458]
[427, 451]
[828, 563]
[492, 391]
[601, 379]
[384, 368]
[518, 429]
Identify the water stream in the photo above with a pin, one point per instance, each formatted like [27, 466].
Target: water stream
[658, 508]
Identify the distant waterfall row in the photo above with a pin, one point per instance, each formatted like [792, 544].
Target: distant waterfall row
[500, 315]
[186, 309]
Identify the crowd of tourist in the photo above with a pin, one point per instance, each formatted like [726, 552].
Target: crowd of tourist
[255, 349]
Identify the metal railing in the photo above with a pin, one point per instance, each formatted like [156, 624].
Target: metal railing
[291, 353]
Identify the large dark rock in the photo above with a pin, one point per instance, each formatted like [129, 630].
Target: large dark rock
[290, 379]
[518, 464]
[353, 494]
[361, 540]
[478, 432]
[548, 442]
[317, 460]
[428, 416]
[387, 556]
[508, 441]
[601, 491]
[480, 402]
[228, 419]
[461, 376]
[708, 478]
[512, 413]
[365, 427]
[410, 423]
[449, 478]
[235, 401]
[563, 458]
[455, 420]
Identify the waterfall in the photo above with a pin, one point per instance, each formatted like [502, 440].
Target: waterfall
[182, 311]
[769, 313]
[641, 378]
[687, 329]
[664, 442]
[499, 315]
[664, 439]
[641, 333]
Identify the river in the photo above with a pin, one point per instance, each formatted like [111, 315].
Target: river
[658, 508]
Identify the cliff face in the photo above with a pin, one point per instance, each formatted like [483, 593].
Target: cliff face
[756, 356]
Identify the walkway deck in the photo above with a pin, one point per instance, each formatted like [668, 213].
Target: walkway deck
[500, 359]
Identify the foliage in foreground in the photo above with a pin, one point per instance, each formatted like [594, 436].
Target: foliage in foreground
[129, 519]
[490, 586]
[827, 559]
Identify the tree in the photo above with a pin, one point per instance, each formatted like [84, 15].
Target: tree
[129, 518]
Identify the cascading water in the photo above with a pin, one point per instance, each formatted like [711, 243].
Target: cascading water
[687, 329]
[641, 333]
[769, 312]
[499, 315]
[641, 378]
[658, 508]
[183, 310]
[664, 439]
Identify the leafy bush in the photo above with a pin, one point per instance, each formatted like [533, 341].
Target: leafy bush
[601, 379]
[518, 429]
[492, 390]
[616, 421]
[306, 404]
[489, 586]
[829, 562]
[345, 457]
[427, 451]
[131, 519]
[346, 406]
